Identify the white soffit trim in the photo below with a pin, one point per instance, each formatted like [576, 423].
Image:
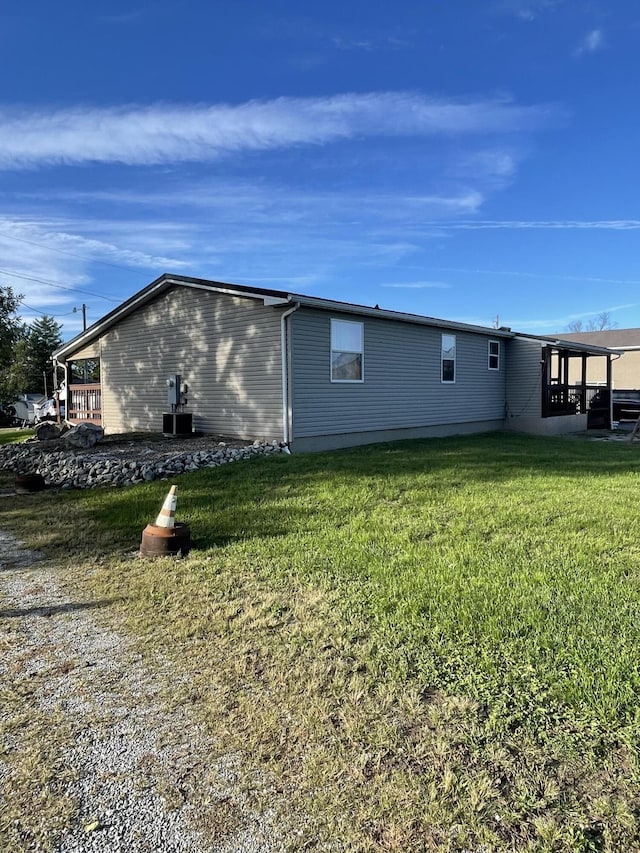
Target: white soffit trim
[229, 291]
[275, 300]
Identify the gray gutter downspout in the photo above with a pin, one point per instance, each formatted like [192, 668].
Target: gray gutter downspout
[286, 436]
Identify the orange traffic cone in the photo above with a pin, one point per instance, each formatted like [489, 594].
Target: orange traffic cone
[167, 536]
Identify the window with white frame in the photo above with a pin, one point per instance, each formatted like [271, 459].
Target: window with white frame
[494, 355]
[347, 351]
[448, 372]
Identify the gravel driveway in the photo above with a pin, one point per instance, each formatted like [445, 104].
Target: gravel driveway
[141, 774]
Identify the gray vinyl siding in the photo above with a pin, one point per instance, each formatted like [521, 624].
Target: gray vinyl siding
[524, 379]
[227, 349]
[401, 388]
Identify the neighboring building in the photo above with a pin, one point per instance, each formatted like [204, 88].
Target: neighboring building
[626, 361]
[315, 373]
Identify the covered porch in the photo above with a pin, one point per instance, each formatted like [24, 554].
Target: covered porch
[84, 404]
[550, 383]
[84, 391]
[566, 389]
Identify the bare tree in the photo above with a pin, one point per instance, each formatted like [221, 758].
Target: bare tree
[600, 323]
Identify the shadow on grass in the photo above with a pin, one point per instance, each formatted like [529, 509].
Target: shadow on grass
[48, 611]
[271, 497]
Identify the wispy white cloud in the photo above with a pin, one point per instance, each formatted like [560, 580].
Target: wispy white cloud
[591, 43]
[492, 168]
[266, 197]
[352, 44]
[51, 236]
[245, 206]
[611, 309]
[50, 262]
[546, 276]
[368, 45]
[543, 224]
[553, 324]
[498, 163]
[147, 135]
[541, 325]
[416, 285]
[528, 10]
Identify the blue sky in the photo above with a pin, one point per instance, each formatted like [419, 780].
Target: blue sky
[469, 159]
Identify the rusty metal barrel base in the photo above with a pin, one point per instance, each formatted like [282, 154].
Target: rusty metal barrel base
[165, 541]
[28, 483]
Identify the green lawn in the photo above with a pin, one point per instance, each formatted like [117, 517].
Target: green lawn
[430, 645]
[10, 435]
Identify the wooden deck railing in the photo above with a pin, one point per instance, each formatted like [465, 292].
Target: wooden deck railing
[567, 399]
[84, 403]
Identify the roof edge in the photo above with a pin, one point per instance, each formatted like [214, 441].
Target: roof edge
[404, 317]
[160, 284]
[270, 297]
[567, 344]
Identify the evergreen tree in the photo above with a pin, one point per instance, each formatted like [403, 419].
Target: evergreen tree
[32, 367]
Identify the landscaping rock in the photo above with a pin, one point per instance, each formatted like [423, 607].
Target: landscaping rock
[46, 431]
[84, 435]
[120, 464]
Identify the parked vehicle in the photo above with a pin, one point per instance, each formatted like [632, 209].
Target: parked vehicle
[626, 407]
[30, 409]
[23, 409]
[46, 411]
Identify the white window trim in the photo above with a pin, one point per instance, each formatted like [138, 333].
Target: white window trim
[489, 354]
[358, 352]
[454, 359]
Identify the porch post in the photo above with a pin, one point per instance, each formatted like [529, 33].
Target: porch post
[546, 370]
[609, 378]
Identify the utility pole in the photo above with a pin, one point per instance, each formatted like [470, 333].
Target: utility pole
[84, 316]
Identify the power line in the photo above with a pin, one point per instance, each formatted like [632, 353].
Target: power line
[67, 252]
[31, 308]
[46, 313]
[58, 286]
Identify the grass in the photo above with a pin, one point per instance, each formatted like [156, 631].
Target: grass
[426, 646]
[10, 436]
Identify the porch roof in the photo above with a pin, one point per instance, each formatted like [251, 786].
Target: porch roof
[573, 347]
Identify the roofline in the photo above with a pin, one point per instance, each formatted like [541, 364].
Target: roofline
[567, 344]
[367, 311]
[157, 286]
[269, 297]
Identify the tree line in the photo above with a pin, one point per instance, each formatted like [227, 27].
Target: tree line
[25, 350]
